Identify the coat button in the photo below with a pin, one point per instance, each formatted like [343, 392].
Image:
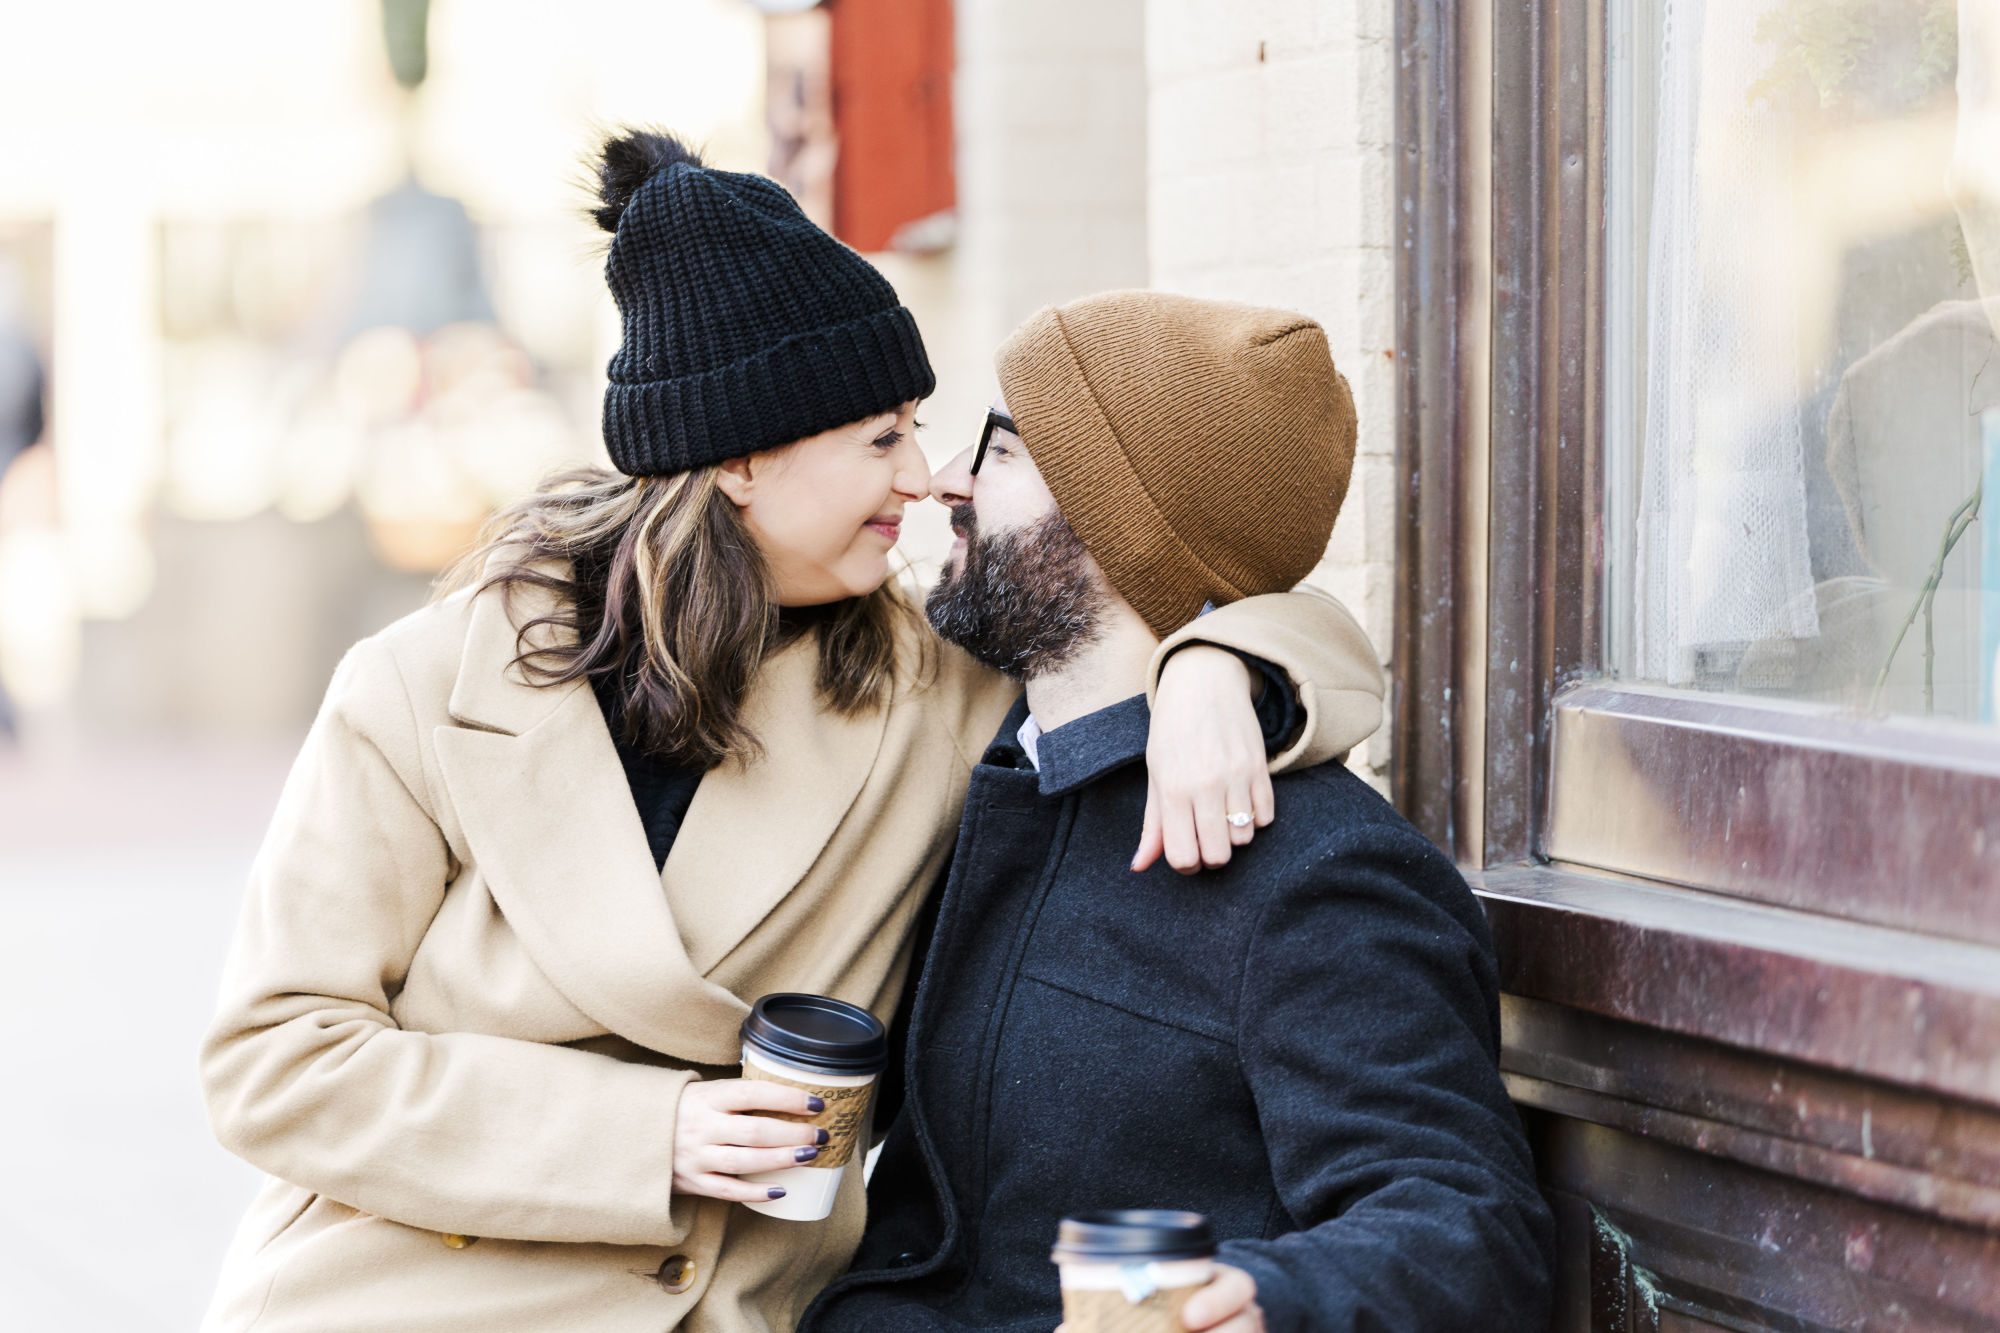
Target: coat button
[907, 1259]
[676, 1275]
[457, 1242]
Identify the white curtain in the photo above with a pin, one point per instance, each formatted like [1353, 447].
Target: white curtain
[1722, 558]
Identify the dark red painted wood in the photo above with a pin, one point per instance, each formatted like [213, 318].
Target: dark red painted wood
[892, 70]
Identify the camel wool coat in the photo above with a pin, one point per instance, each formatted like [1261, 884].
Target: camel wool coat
[461, 1003]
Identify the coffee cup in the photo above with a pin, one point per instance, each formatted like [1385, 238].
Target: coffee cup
[1131, 1271]
[834, 1050]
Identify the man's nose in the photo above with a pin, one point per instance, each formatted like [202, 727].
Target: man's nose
[952, 485]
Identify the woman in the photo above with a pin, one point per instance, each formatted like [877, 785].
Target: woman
[480, 1021]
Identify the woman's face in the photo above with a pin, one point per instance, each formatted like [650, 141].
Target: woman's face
[826, 510]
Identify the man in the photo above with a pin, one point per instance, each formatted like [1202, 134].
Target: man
[1303, 1045]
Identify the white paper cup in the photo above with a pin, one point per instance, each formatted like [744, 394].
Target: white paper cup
[1162, 1276]
[1131, 1272]
[810, 1188]
[834, 1050]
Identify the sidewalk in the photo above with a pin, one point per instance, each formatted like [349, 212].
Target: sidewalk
[120, 875]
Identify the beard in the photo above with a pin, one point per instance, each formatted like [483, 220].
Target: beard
[1024, 603]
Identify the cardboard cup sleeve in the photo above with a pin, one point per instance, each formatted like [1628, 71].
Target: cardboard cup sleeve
[1110, 1312]
[845, 1114]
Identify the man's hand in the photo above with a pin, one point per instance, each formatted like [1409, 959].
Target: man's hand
[1228, 1304]
[1205, 761]
[715, 1142]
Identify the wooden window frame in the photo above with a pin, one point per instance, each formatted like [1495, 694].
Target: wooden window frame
[1738, 938]
[1511, 748]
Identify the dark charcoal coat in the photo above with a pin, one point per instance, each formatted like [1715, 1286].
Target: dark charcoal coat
[1303, 1046]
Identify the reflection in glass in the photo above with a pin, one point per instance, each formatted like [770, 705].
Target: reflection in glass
[1803, 378]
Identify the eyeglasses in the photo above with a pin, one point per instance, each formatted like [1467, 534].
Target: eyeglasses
[994, 421]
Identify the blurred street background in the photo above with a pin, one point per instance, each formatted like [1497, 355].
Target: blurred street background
[293, 295]
[117, 1203]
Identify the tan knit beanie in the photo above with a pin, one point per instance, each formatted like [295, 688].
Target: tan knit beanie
[1200, 449]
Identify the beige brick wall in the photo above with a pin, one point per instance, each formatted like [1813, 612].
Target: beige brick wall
[1269, 180]
[1050, 101]
[1230, 148]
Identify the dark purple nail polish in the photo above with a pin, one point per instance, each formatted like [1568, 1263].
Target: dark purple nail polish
[804, 1154]
[824, 1137]
[815, 1104]
[776, 1191]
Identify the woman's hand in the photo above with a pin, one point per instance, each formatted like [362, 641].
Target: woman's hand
[1228, 1304]
[1205, 761]
[715, 1142]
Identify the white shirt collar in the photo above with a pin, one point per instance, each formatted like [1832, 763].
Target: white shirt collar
[1030, 732]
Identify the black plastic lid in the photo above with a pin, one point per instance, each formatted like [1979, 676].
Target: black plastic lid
[818, 1031]
[1133, 1235]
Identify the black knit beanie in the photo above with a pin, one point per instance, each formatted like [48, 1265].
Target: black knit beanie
[745, 326]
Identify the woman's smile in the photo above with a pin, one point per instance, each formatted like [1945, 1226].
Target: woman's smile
[888, 526]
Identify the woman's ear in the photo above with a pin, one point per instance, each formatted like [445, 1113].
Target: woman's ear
[737, 479]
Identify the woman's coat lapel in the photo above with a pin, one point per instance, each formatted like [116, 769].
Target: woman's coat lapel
[755, 829]
[550, 823]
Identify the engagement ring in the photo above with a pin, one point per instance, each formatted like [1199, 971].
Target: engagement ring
[1239, 820]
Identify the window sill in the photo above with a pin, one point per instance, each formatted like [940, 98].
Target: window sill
[1919, 1011]
[1894, 822]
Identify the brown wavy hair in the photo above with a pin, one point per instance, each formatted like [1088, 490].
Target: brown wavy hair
[665, 605]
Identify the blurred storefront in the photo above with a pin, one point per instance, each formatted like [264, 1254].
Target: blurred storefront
[313, 293]
[337, 299]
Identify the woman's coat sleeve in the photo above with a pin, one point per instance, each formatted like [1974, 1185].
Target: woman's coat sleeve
[1316, 642]
[307, 1075]
[1307, 634]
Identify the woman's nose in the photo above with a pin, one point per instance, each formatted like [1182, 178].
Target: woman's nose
[913, 473]
[953, 483]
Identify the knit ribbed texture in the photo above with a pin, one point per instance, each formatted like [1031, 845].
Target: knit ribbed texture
[745, 326]
[1200, 449]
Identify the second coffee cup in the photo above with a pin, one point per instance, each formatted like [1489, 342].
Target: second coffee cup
[1132, 1270]
[834, 1050]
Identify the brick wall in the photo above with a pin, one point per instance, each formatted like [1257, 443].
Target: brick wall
[1051, 115]
[1052, 151]
[1269, 180]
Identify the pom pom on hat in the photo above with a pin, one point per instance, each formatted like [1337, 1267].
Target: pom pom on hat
[627, 161]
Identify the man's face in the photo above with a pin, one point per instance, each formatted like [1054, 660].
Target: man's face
[1019, 592]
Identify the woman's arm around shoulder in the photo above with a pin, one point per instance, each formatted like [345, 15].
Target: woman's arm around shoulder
[1210, 787]
[1319, 645]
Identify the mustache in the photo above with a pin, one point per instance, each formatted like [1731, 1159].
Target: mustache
[963, 520]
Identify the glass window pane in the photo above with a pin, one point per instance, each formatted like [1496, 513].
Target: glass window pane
[1802, 373]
